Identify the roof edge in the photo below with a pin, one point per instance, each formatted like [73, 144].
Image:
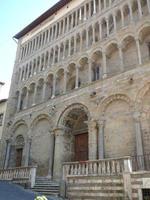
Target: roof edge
[42, 18]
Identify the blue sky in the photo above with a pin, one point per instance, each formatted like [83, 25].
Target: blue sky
[14, 16]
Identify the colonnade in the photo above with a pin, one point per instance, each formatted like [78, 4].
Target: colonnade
[83, 39]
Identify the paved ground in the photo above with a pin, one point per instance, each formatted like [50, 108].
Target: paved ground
[10, 191]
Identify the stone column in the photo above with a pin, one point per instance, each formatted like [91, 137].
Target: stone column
[27, 98]
[80, 14]
[107, 24]
[121, 58]
[122, 18]
[65, 81]
[87, 38]
[59, 155]
[114, 21]
[77, 77]
[59, 53]
[69, 48]
[75, 44]
[67, 29]
[44, 91]
[104, 64]
[139, 142]
[139, 8]
[19, 101]
[131, 13]
[27, 152]
[148, 4]
[51, 154]
[101, 139]
[89, 10]
[104, 4]
[100, 6]
[92, 132]
[63, 28]
[35, 93]
[54, 56]
[85, 12]
[8, 146]
[138, 51]
[76, 18]
[94, 7]
[100, 30]
[54, 86]
[90, 71]
[93, 34]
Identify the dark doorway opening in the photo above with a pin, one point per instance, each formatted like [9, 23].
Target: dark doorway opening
[146, 194]
[19, 157]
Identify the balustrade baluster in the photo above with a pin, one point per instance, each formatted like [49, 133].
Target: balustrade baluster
[118, 167]
[95, 168]
[103, 167]
[99, 168]
[108, 167]
[79, 169]
[113, 167]
[86, 168]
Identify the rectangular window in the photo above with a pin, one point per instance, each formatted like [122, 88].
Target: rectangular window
[1, 118]
[146, 194]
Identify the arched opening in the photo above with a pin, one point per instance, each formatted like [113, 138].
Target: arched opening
[135, 11]
[78, 41]
[23, 101]
[130, 56]
[126, 13]
[42, 145]
[39, 91]
[113, 61]
[118, 20]
[97, 66]
[144, 7]
[17, 153]
[119, 139]
[145, 120]
[104, 29]
[75, 121]
[83, 71]
[59, 82]
[90, 33]
[111, 24]
[71, 83]
[49, 87]
[84, 39]
[31, 94]
[97, 34]
[144, 36]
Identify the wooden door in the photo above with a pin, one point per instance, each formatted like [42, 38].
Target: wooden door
[81, 147]
[19, 157]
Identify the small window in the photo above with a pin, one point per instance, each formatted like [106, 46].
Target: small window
[1, 119]
[146, 194]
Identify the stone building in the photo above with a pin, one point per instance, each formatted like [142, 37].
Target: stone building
[80, 87]
[3, 104]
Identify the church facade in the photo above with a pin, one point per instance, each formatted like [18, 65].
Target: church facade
[80, 87]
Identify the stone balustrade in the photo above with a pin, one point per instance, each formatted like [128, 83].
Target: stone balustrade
[19, 175]
[97, 167]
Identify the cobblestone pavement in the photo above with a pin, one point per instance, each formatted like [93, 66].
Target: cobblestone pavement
[10, 191]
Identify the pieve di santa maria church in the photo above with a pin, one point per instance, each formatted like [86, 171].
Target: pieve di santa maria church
[78, 112]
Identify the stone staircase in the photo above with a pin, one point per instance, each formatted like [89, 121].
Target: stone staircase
[95, 187]
[47, 187]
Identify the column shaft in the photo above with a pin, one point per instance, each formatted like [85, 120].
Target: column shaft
[101, 140]
[138, 51]
[77, 77]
